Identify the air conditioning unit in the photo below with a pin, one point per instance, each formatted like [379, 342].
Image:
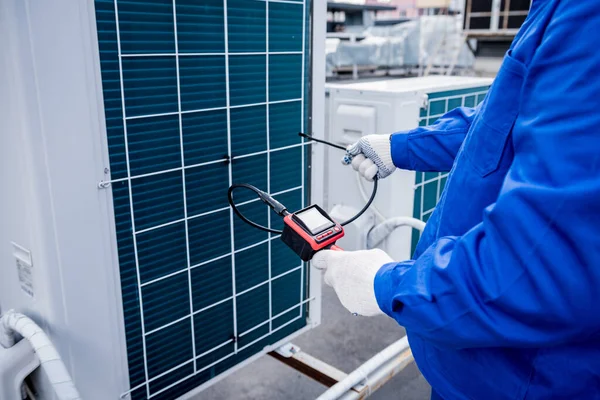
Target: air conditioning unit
[384, 107]
[123, 124]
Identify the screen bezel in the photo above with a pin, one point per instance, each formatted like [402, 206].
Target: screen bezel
[320, 228]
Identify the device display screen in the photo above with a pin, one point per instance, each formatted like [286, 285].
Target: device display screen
[314, 220]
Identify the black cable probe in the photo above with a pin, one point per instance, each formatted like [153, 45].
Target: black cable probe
[337, 146]
[279, 208]
[265, 197]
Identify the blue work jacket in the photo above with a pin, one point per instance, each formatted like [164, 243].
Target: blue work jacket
[502, 298]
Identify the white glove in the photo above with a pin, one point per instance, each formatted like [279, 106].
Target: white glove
[352, 276]
[370, 156]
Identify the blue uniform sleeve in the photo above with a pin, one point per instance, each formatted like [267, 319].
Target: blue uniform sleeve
[529, 274]
[433, 147]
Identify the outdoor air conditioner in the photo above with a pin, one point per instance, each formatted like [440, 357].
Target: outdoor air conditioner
[123, 124]
[384, 107]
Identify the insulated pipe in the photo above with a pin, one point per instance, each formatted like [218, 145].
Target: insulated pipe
[380, 376]
[13, 323]
[383, 230]
[362, 373]
[415, 223]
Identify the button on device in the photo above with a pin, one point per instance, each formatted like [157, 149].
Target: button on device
[337, 229]
[324, 235]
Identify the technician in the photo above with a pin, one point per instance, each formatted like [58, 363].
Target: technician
[502, 298]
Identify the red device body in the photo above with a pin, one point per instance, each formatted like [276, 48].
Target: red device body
[304, 242]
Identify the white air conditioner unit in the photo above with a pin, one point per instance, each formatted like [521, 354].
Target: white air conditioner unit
[123, 124]
[384, 107]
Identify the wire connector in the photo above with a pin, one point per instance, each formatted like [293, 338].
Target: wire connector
[276, 206]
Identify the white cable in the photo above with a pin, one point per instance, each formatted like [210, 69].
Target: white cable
[13, 323]
[366, 197]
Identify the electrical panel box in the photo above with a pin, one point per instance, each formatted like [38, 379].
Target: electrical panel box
[385, 107]
[123, 124]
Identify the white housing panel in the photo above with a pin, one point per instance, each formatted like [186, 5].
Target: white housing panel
[382, 107]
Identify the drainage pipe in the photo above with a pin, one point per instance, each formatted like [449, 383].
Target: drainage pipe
[13, 324]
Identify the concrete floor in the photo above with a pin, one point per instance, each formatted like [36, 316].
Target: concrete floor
[343, 341]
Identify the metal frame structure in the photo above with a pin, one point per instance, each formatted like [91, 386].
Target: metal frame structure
[495, 14]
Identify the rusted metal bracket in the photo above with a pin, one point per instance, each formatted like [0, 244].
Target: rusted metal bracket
[320, 371]
[361, 383]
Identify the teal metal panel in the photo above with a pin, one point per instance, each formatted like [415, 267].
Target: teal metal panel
[203, 247]
[204, 135]
[429, 186]
[249, 129]
[196, 94]
[200, 26]
[281, 67]
[150, 85]
[246, 26]
[285, 27]
[154, 144]
[284, 118]
[202, 82]
[247, 79]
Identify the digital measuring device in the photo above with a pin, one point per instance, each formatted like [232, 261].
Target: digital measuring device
[310, 230]
[306, 231]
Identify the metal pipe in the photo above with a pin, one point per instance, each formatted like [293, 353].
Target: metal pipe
[362, 373]
[381, 376]
[506, 13]
[468, 15]
[477, 33]
[13, 323]
[495, 19]
[509, 13]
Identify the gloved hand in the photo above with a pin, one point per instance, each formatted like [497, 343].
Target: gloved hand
[352, 276]
[370, 156]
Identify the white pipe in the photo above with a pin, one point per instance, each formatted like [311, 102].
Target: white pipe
[380, 377]
[13, 323]
[29, 393]
[388, 225]
[362, 373]
[384, 229]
